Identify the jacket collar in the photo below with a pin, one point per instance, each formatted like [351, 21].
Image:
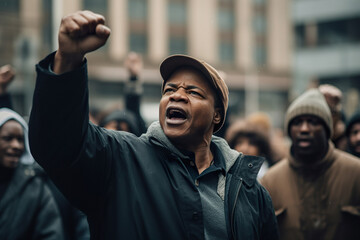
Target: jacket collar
[247, 168]
[157, 137]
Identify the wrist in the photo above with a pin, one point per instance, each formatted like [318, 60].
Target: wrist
[66, 63]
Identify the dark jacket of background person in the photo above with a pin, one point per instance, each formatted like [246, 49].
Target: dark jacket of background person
[316, 199]
[130, 187]
[27, 207]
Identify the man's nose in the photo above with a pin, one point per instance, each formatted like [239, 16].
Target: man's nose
[16, 144]
[304, 126]
[179, 95]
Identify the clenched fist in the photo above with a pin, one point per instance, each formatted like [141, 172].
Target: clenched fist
[79, 33]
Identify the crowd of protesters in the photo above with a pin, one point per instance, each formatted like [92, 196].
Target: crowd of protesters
[192, 174]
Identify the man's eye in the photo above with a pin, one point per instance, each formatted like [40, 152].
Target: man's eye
[168, 90]
[195, 93]
[314, 122]
[296, 122]
[6, 138]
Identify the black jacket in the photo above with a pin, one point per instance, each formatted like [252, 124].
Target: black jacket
[130, 187]
[28, 210]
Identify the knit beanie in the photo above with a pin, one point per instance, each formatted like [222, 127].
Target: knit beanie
[311, 102]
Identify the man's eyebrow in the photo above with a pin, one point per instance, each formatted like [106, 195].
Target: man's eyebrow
[171, 85]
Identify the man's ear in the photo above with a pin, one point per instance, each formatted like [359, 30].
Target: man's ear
[217, 116]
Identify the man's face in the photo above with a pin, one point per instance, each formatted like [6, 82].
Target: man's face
[187, 108]
[354, 137]
[309, 138]
[11, 144]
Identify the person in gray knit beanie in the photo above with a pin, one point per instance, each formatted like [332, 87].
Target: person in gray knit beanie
[314, 189]
[311, 102]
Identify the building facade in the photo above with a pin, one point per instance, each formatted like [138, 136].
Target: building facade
[249, 41]
[327, 47]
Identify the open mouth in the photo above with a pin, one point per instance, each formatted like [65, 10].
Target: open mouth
[175, 113]
[304, 142]
[175, 116]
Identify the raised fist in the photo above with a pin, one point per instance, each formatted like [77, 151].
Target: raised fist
[79, 33]
[7, 74]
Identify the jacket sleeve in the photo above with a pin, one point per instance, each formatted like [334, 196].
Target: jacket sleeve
[270, 228]
[48, 224]
[62, 141]
[5, 101]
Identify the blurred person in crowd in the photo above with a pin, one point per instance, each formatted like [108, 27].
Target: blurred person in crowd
[333, 97]
[129, 119]
[315, 191]
[353, 134]
[177, 181]
[7, 75]
[121, 120]
[278, 144]
[94, 114]
[247, 138]
[73, 221]
[27, 207]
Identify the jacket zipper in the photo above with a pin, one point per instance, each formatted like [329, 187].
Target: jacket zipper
[233, 209]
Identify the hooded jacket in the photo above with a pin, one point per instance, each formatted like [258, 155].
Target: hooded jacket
[130, 187]
[317, 201]
[27, 208]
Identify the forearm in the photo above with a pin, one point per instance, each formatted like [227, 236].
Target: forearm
[59, 115]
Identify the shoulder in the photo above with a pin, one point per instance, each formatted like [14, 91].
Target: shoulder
[346, 159]
[276, 174]
[346, 165]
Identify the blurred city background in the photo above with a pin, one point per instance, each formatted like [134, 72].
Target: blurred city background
[269, 51]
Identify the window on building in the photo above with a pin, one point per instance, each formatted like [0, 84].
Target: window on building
[138, 42]
[9, 5]
[226, 29]
[47, 21]
[177, 16]
[177, 12]
[259, 27]
[340, 31]
[260, 55]
[259, 24]
[97, 6]
[137, 10]
[138, 13]
[300, 36]
[329, 33]
[226, 19]
[178, 45]
[227, 52]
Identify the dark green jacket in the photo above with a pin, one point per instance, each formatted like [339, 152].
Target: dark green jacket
[130, 187]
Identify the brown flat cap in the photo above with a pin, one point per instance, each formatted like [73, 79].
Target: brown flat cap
[174, 62]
